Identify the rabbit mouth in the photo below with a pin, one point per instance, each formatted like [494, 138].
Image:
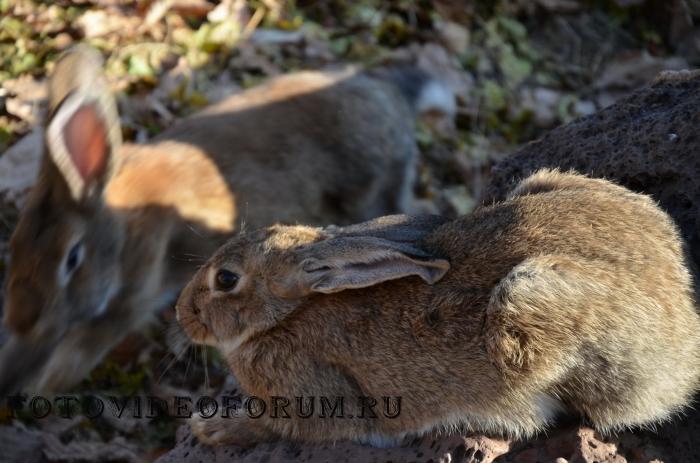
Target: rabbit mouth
[197, 330]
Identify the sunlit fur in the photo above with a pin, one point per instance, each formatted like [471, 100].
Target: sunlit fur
[570, 296]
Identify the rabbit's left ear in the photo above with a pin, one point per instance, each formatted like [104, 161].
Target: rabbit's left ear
[354, 262]
[361, 255]
[83, 131]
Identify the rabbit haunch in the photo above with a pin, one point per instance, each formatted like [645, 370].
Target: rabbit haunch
[112, 230]
[570, 296]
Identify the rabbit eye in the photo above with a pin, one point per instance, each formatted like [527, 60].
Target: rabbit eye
[226, 280]
[75, 256]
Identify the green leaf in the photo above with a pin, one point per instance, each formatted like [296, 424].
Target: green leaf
[340, 46]
[139, 67]
[27, 62]
[514, 68]
[494, 96]
[513, 28]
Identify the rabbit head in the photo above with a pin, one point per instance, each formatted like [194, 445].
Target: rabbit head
[65, 249]
[255, 280]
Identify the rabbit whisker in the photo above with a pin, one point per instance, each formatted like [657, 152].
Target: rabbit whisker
[189, 361]
[186, 259]
[244, 221]
[195, 231]
[169, 330]
[176, 357]
[206, 367]
[162, 360]
[172, 349]
[187, 324]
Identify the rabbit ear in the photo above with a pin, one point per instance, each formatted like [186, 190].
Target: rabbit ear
[400, 228]
[354, 262]
[83, 133]
[365, 255]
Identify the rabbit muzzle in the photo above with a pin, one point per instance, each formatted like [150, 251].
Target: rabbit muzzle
[192, 316]
[22, 307]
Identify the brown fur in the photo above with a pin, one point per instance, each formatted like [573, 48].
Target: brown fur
[571, 295]
[310, 147]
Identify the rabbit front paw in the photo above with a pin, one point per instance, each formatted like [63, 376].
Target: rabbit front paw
[216, 431]
[210, 431]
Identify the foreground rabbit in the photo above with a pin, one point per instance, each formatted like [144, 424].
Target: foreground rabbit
[112, 231]
[572, 295]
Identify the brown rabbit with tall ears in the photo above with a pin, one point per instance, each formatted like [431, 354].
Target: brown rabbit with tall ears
[571, 295]
[110, 229]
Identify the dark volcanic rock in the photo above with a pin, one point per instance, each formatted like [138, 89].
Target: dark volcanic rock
[648, 142]
[477, 449]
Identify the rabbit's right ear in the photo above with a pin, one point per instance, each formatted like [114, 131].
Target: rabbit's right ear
[83, 131]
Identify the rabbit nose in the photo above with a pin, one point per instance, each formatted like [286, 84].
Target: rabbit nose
[195, 309]
[198, 299]
[187, 301]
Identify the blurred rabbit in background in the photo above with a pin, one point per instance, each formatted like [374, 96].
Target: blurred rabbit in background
[110, 229]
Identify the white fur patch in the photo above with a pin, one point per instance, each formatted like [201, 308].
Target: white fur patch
[231, 346]
[548, 407]
[211, 278]
[106, 299]
[436, 96]
[381, 441]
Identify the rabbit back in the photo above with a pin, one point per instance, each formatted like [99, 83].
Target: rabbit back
[340, 143]
[598, 310]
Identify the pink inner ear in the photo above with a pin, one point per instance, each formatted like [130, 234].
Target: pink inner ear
[85, 136]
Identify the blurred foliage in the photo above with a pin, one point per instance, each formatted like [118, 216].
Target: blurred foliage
[143, 40]
[112, 378]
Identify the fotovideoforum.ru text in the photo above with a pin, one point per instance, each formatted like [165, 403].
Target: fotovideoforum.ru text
[149, 407]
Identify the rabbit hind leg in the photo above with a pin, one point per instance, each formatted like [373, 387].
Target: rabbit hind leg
[571, 329]
[536, 320]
